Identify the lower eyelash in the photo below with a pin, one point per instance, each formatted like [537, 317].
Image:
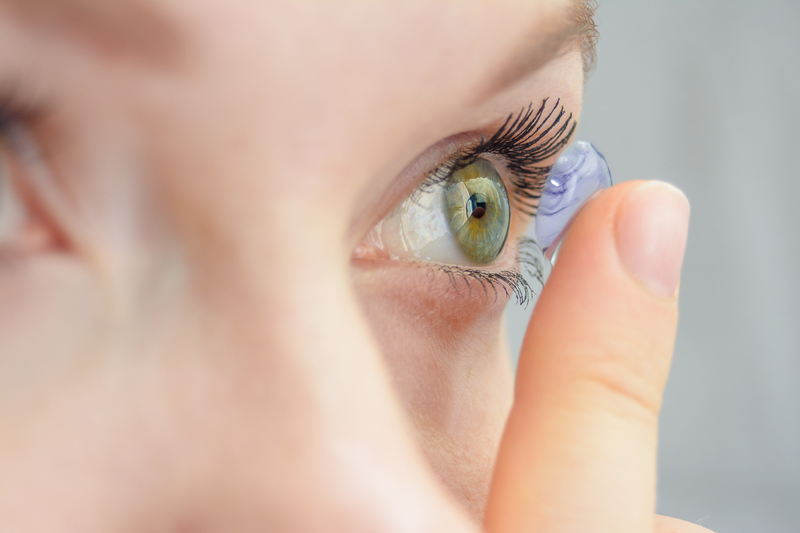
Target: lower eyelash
[511, 282]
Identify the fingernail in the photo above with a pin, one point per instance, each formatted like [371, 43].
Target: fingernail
[652, 224]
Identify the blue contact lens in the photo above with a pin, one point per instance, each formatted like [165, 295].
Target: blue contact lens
[580, 172]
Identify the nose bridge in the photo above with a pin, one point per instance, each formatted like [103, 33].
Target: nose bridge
[267, 261]
[260, 220]
[269, 314]
[284, 332]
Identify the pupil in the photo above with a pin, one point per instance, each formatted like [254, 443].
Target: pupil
[476, 205]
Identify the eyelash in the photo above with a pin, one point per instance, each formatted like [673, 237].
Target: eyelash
[509, 282]
[524, 141]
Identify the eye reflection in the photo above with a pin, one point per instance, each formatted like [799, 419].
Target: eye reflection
[461, 220]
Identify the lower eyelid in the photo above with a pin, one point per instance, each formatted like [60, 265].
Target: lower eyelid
[493, 285]
[432, 293]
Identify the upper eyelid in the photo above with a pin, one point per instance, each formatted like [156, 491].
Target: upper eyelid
[524, 141]
[526, 132]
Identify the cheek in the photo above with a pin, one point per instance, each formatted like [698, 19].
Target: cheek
[50, 313]
[443, 342]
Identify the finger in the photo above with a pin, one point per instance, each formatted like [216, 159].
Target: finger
[579, 451]
[665, 524]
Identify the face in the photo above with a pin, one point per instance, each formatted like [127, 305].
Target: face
[217, 302]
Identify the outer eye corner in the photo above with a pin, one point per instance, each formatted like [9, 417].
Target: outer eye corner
[24, 226]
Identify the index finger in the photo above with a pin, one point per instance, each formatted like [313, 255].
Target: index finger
[579, 452]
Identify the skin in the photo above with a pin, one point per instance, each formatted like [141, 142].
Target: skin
[187, 342]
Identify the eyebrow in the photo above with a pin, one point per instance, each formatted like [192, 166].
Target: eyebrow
[131, 28]
[578, 26]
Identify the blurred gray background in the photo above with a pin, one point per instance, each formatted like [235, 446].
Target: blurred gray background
[706, 95]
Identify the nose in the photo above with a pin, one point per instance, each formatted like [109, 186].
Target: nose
[271, 379]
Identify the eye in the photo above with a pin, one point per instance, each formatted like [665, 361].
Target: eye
[23, 228]
[461, 220]
[458, 220]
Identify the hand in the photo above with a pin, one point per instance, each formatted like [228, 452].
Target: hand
[579, 452]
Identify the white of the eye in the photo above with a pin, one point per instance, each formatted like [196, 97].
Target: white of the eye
[418, 229]
[12, 211]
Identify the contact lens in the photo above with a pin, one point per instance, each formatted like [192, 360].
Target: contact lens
[580, 172]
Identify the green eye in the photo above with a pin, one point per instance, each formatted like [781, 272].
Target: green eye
[461, 220]
[477, 209]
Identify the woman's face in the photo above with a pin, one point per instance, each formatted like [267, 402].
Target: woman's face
[196, 329]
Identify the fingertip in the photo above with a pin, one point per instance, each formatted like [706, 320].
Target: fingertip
[651, 229]
[665, 524]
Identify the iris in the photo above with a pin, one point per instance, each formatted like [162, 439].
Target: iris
[478, 210]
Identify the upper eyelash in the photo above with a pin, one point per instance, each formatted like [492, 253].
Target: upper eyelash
[524, 141]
